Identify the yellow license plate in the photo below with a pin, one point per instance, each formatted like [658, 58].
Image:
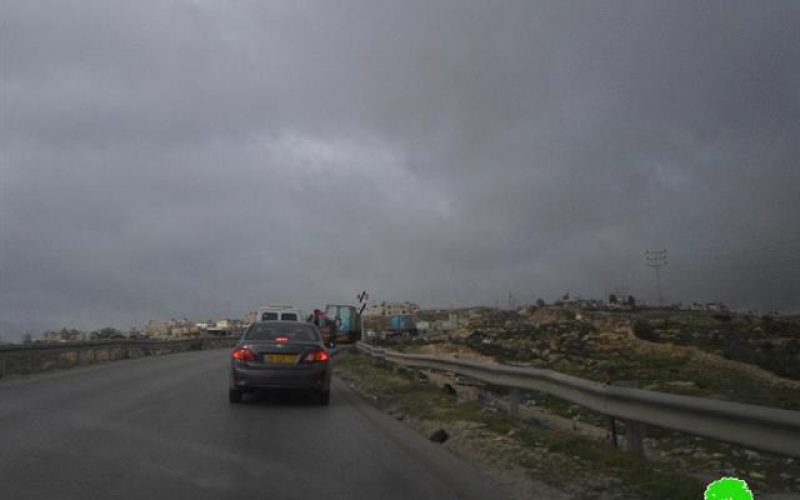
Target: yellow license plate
[281, 358]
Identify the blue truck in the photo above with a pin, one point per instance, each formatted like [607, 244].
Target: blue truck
[348, 323]
[402, 323]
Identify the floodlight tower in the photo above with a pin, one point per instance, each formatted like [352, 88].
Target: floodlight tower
[657, 259]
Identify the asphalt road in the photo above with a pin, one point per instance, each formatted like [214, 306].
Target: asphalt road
[162, 427]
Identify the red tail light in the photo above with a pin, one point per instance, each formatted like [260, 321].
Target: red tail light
[317, 356]
[243, 354]
[281, 339]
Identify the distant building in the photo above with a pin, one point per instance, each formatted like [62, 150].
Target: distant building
[386, 309]
[179, 331]
[716, 307]
[621, 301]
[62, 336]
[453, 322]
[154, 328]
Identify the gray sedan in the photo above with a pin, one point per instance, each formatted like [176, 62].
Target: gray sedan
[280, 355]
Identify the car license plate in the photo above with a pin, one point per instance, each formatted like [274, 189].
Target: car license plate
[281, 358]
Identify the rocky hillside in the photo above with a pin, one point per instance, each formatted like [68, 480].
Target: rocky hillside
[609, 347]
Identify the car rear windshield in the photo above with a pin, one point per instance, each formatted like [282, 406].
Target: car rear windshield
[269, 316]
[289, 317]
[271, 331]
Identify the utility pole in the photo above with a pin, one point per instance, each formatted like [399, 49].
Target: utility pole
[657, 259]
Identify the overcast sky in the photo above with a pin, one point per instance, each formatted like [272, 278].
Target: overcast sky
[201, 158]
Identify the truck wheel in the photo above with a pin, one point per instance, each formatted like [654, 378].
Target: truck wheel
[324, 397]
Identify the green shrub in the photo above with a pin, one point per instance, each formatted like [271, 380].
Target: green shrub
[645, 331]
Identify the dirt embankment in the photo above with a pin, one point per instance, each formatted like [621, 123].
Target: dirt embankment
[712, 362]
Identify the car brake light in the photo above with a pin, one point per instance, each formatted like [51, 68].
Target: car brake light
[282, 339]
[243, 354]
[317, 356]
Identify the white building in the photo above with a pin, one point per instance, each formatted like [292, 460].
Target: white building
[387, 309]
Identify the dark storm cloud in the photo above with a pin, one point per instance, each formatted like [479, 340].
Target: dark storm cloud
[167, 159]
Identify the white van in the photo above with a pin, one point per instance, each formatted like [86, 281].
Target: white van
[279, 312]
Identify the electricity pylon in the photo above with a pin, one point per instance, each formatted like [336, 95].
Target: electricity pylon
[657, 259]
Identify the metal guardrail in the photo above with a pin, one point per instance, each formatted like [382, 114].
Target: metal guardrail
[760, 427]
[31, 358]
[52, 346]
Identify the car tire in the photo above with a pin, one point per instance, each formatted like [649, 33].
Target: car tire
[234, 395]
[324, 397]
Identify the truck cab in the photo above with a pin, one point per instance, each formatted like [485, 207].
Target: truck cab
[349, 324]
[279, 313]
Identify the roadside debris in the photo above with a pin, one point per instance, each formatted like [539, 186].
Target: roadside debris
[439, 436]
